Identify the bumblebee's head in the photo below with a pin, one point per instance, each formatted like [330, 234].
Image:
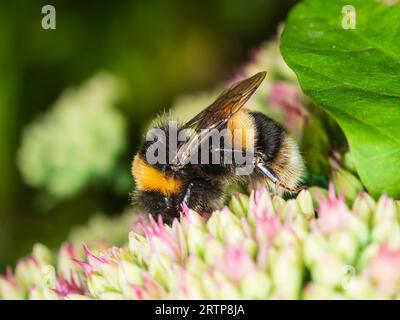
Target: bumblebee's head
[160, 192]
[157, 204]
[156, 189]
[154, 178]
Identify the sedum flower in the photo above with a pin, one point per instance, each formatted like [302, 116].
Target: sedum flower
[236, 263]
[329, 270]
[259, 247]
[261, 204]
[287, 272]
[226, 227]
[316, 291]
[79, 139]
[305, 202]
[364, 206]
[335, 216]
[385, 226]
[239, 205]
[289, 98]
[163, 240]
[256, 285]
[65, 288]
[333, 213]
[346, 183]
[194, 226]
[10, 288]
[384, 269]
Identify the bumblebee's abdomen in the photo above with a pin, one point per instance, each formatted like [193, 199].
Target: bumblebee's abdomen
[269, 136]
[280, 152]
[242, 126]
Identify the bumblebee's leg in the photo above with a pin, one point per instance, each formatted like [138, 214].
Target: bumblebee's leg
[186, 197]
[270, 174]
[267, 172]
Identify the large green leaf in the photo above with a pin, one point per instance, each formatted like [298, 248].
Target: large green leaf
[354, 74]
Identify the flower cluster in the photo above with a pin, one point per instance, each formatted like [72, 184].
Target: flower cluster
[260, 247]
[79, 139]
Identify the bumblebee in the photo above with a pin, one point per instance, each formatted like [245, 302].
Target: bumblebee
[162, 188]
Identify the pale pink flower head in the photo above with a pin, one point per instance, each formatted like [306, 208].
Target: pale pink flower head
[66, 259]
[137, 224]
[150, 289]
[10, 288]
[10, 278]
[65, 287]
[162, 239]
[68, 250]
[93, 263]
[190, 216]
[287, 97]
[385, 210]
[237, 263]
[261, 203]
[384, 269]
[333, 213]
[267, 227]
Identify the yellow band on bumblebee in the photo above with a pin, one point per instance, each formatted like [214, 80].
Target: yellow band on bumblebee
[149, 178]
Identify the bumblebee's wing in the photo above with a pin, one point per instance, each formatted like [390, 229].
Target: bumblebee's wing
[217, 114]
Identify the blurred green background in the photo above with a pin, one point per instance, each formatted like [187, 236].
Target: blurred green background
[155, 50]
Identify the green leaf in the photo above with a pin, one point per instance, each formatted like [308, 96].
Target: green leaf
[354, 74]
